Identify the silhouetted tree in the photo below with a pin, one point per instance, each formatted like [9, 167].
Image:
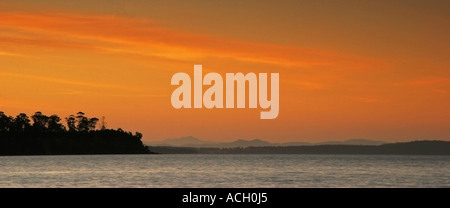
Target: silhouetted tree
[138, 135]
[21, 123]
[71, 121]
[54, 124]
[93, 123]
[103, 123]
[5, 122]
[39, 121]
[82, 122]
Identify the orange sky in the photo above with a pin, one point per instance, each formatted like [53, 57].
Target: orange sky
[355, 69]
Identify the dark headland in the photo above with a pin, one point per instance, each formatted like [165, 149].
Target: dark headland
[48, 136]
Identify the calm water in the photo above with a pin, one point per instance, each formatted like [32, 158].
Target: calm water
[225, 171]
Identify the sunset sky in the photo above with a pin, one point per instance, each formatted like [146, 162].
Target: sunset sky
[351, 69]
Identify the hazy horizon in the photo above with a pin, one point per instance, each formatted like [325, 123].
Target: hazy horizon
[376, 70]
[337, 141]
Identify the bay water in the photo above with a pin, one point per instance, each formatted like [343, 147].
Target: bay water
[233, 171]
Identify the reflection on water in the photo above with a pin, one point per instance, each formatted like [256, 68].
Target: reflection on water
[225, 171]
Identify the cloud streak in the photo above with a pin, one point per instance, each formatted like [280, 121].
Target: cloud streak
[65, 81]
[430, 81]
[113, 34]
[2, 53]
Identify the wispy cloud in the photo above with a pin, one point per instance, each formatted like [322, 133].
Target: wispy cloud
[438, 85]
[65, 81]
[3, 53]
[103, 94]
[113, 34]
[427, 81]
[369, 99]
[315, 85]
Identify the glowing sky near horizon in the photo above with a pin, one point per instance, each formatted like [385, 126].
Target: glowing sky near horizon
[348, 69]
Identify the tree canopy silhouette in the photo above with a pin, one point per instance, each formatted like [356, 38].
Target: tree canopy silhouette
[46, 135]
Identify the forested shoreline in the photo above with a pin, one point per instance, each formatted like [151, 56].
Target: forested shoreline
[47, 135]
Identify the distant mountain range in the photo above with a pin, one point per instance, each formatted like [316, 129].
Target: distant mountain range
[405, 148]
[195, 142]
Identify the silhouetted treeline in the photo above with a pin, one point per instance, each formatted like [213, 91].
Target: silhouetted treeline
[46, 135]
[407, 148]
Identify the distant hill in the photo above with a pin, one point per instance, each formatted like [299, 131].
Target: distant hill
[182, 142]
[406, 148]
[246, 143]
[355, 142]
[195, 142]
